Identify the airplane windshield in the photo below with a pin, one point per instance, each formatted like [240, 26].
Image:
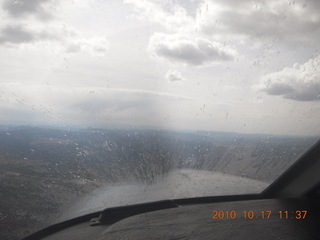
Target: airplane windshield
[110, 103]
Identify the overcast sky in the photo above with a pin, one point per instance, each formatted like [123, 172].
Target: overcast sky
[241, 66]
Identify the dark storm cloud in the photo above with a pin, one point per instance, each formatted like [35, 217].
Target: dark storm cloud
[182, 50]
[300, 83]
[21, 8]
[16, 34]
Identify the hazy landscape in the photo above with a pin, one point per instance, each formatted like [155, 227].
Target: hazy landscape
[44, 171]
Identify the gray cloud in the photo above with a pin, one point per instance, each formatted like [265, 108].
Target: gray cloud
[21, 8]
[287, 21]
[16, 34]
[280, 89]
[300, 83]
[179, 49]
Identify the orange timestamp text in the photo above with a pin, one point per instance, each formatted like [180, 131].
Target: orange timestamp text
[265, 214]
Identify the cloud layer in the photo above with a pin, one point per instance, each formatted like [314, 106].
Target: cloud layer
[27, 22]
[300, 82]
[152, 52]
[288, 21]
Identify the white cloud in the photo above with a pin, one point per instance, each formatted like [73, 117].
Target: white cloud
[183, 50]
[300, 82]
[183, 45]
[174, 76]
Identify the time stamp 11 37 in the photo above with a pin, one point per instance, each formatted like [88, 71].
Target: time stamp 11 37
[265, 214]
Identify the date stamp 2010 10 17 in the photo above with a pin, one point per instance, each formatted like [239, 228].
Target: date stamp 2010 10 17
[265, 214]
